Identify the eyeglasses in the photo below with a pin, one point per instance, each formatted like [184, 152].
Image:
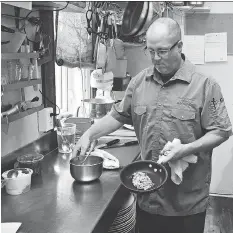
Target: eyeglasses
[161, 52]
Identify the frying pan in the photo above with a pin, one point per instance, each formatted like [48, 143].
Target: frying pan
[157, 173]
[134, 17]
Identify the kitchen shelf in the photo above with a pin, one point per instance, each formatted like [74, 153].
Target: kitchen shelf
[192, 9]
[20, 115]
[11, 56]
[41, 5]
[21, 84]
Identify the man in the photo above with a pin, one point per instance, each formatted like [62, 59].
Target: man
[171, 100]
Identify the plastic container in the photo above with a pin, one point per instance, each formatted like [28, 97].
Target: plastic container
[32, 161]
[20, 184]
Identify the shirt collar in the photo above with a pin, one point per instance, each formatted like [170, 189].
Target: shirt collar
[184, 73]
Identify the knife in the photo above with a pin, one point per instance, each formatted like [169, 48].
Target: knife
[107, 144]
[130, 143]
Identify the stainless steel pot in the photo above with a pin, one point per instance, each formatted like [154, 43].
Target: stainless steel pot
[134, 17]
[97, 108]
[88, 171]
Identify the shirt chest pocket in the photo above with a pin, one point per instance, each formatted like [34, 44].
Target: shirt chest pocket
[182, 123]
[183, 114]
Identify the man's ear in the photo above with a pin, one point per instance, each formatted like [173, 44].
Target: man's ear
[180, 46]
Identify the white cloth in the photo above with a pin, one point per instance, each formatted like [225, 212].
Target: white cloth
[179, 166]
[110, 161]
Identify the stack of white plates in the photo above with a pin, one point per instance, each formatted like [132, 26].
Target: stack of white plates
[126, 217]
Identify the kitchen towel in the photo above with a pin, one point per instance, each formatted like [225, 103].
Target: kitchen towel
[110, 161]
[178, 166]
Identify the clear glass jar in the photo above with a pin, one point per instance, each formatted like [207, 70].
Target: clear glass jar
[24, 72]
[4, 73]
[18, 74]
[31, 68]
[11, 67]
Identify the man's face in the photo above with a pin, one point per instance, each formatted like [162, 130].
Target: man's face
[165, 53]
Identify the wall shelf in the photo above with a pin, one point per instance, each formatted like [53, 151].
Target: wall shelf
[12, 56]
[21, 84]
[43, 5]
[20, 115]
[192, 9]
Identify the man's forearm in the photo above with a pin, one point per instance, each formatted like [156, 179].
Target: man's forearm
[209, 141]
[103, 127]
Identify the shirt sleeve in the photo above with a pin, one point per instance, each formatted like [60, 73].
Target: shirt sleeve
[122, 111]
[214, 114]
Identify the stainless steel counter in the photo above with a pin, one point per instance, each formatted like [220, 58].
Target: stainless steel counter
[56, 203]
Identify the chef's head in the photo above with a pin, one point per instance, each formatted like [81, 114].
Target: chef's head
[163, 42]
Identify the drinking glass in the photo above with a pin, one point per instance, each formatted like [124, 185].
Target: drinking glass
[66, 137]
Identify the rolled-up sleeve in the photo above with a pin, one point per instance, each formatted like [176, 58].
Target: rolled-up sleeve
[214, 114]
[122, 111]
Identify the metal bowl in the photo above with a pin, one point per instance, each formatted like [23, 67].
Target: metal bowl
[88, 171]
[97, 108]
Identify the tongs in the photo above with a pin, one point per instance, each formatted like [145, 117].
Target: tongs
[92, 147]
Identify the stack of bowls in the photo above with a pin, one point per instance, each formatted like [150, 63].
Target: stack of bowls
[126, 217]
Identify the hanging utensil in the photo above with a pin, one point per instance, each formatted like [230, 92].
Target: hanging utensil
[134, 17]
[114, 25]
[149, 19]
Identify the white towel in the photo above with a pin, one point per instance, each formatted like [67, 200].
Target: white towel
[110, 161]
[180, 165]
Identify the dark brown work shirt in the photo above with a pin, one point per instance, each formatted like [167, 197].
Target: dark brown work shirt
[186, 107]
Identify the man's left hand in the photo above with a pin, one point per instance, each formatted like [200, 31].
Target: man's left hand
[172, 151]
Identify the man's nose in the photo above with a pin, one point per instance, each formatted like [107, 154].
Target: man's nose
[156, 56]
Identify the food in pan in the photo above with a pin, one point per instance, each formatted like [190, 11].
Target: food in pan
[141, 180]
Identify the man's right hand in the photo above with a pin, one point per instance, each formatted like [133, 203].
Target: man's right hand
[82, 145]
